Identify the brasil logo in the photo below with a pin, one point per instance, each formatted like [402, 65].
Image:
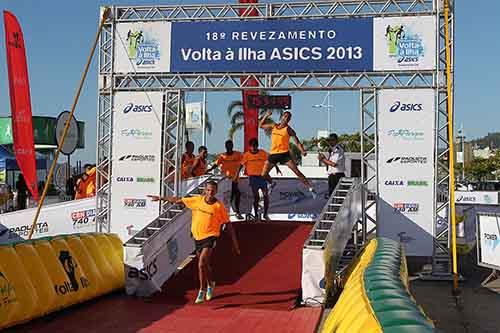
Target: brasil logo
[142, 48]
[403, 45]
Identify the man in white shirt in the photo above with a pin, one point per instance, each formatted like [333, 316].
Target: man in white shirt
[335, 162]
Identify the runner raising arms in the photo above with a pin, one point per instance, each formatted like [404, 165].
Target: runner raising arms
[280, 153]
[208, 216]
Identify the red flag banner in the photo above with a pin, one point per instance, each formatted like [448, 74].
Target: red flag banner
[20, 102]
[251, 115]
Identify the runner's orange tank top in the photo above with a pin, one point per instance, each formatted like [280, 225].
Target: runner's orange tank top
[279, 140]
[186, 164]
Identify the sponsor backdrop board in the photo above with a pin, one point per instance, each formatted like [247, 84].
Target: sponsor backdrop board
[406, 127]
[58, 219]
[329, 44]
[289, 200]
[476, 198]
[488, 233]
[136, 158]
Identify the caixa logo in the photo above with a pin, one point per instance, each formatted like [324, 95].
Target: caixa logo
[131, 107]
[406, 107]
[145, 273]
[311, 216]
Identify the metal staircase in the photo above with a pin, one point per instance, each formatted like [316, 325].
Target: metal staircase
[335, 228]
[169, 215]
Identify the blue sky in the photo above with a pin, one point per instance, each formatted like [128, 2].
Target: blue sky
[59, 33]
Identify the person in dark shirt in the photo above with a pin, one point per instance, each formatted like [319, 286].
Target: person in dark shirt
[22, 192]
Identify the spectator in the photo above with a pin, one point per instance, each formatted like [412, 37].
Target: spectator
[22, 192]
[81, 186]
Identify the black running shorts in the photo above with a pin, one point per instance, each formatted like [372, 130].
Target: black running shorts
[281, 158]
[209, 243]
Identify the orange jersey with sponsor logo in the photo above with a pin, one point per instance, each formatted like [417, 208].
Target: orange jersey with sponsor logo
[254, 163]
[206, 219]
[229, 164]
[279, 140]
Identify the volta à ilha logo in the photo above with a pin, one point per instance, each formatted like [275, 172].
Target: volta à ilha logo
[143, 49]
[403, 45]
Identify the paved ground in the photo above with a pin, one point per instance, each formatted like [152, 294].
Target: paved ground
[478, 310]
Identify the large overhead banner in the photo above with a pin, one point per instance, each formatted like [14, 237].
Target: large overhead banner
[406, 127]
[136, 158]
[320, 45]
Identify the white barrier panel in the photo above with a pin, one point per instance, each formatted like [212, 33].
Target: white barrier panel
[290, 199]
[57, 219]
[476, 198]
[488, 233]
[137, 159]
[313, 277]
[147, 269]
[405, 211]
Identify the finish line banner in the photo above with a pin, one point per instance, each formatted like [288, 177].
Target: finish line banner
[321, 45]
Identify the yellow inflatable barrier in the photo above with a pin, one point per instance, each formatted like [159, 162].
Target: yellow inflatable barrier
[376, 296]
[45, 275]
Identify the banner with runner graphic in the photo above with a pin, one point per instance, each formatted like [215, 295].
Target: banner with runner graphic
[406, 136]
[282, 45]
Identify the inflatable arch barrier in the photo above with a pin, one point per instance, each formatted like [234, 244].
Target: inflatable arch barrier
[376, 297]
[48, 274]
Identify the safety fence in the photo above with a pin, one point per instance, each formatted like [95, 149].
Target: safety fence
[376, 297]
[48, 274]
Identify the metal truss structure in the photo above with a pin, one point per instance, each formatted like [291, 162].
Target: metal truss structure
[367, 83]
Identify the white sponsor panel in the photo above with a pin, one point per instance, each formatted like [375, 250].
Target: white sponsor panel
[476, 198]
[149, 267]
[142, 47]
[193, 115]
[406, 168]
[289, 200]
[136, 167]
[488, 240]
[77, 216]
[313, 277]
[404, 43]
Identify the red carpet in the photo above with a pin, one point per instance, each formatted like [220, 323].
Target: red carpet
[254, 293]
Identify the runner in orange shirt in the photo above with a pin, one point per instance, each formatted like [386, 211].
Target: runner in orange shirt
[254, 161]
[208, 216]
[229, 164]
[199, 167]
[187, 160]
[280, 153]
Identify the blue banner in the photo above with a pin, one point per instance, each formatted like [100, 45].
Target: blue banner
[335, 45]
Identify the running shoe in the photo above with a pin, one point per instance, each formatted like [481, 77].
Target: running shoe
[210, 291]
[267, 218]
[313, 193]
[201, 297]
[271, 187]
[239, 216]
